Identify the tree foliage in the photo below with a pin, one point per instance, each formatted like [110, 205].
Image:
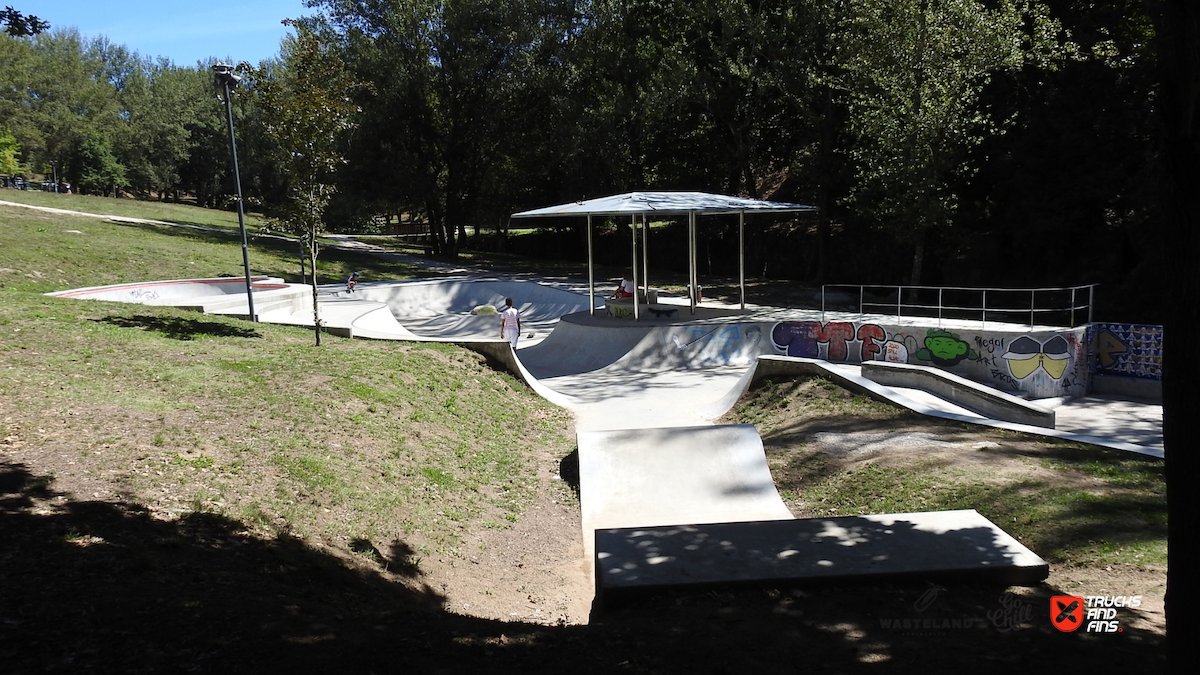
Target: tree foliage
[9, 149]
[17, 24]
[913, 72]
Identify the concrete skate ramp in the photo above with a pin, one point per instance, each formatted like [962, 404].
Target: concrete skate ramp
[583, 344]
[618, 375]
[645, 477]
[940, 545]
[177, 291]
[441, 308]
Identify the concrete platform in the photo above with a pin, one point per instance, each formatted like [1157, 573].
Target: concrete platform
[935, 546]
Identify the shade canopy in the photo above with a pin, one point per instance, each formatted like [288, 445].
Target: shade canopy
[664, 203]
[645, 204]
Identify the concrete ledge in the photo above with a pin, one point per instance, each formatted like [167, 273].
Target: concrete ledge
[982, 399]
[791, 366]
[943, 545]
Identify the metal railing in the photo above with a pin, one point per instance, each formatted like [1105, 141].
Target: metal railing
[1026, 306]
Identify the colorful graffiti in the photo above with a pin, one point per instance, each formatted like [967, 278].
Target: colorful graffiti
[1042, 365]
[804, 339]
[944, 348]
[1129, 350]
[1026, 355]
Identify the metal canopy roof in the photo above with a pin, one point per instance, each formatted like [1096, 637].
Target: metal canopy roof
[667, 203]
[664, 203]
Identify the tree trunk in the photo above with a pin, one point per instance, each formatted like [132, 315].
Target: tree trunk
[1180, 62]
[303, 276]
[825, 160]
[918, 260]
[312, 260]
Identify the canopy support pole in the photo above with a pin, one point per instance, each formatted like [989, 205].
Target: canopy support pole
[646, 257]
[742, 256]
[692, 259]
[591, 275]
[633, 231]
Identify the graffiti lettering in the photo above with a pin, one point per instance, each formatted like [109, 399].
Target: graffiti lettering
[1004, 377]
[895, 352]
[837, 334]
[802, 338]
[989, 344]
[869, 334]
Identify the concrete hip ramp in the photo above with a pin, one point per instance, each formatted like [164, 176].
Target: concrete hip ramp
[618, 375]
[686, 475]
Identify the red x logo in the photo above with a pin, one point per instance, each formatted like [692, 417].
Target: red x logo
[1066, 612]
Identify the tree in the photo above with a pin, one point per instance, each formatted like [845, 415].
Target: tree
[9, 151]
[307, 108]
[455, 106]
[92, 166]
[914, 70]
[19, 25]
[158, 103]
[62, 96]
[1179, 27]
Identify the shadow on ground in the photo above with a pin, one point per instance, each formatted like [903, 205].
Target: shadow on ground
[179, 328]
[105, 587]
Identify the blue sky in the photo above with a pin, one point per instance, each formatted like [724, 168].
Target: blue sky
[185, 31]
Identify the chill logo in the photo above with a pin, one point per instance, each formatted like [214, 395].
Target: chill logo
[1094, 613]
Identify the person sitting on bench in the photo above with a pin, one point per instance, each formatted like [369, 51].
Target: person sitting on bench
[624, 289]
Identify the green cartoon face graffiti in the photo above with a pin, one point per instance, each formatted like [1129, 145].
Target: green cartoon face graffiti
[945, 348]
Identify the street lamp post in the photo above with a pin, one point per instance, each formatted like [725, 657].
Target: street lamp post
[54, 168]
[226, 80]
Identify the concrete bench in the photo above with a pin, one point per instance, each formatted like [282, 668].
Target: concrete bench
[622, 308]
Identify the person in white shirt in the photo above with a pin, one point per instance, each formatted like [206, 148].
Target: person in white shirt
[624, 289]
[510, 323]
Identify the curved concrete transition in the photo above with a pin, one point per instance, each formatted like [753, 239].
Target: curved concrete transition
[441, 309]
[224, 295]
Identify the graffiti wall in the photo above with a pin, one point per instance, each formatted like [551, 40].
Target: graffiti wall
[1040, 364]
[1127, 350]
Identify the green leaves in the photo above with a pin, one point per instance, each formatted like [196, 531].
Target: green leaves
[913, 71]
[17, 24]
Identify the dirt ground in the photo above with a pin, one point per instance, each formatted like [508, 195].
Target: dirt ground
[143, 593]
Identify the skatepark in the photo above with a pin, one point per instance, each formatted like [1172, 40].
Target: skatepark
[668, 498]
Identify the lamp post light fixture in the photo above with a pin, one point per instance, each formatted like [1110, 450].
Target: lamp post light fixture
[226, 81]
